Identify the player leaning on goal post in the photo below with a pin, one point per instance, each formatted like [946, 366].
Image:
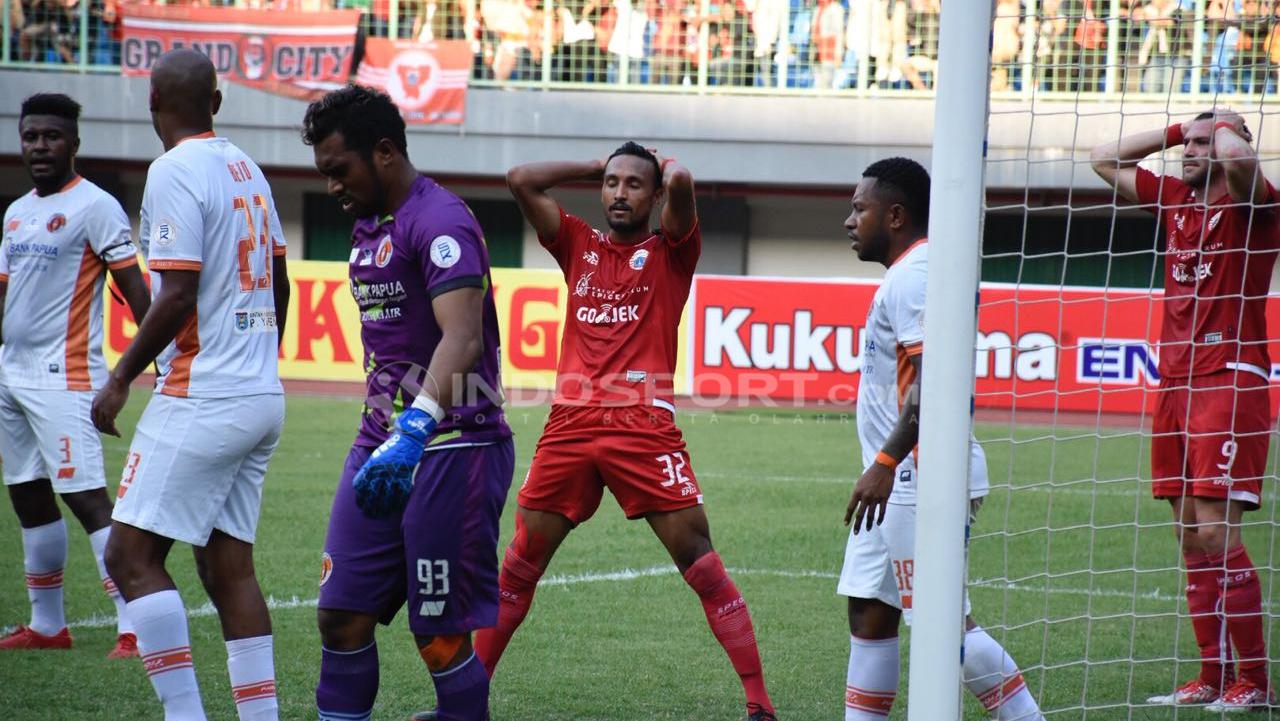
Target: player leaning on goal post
[888, 225]
[612, 424]
[1212, 418]
[415, 516]
[199, 454]
[59, 242]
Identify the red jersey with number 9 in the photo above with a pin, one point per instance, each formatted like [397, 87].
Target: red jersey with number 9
[623, 314]
[1218, 266]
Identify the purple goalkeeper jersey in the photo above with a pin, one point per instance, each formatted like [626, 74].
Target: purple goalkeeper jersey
[431, 245]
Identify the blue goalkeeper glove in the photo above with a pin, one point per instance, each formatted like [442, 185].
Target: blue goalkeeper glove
[384, 481]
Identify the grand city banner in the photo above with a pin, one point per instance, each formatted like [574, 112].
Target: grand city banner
[300, 55]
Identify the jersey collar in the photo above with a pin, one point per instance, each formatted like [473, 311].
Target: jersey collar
[198, 136]
[907, 252]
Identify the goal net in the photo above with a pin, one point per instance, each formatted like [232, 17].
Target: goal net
[1073, 566]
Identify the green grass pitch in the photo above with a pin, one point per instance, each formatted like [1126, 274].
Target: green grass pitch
[1074, 571]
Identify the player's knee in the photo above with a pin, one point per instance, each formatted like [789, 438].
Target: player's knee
[533, 542]
[125, 568]
[34, 503]
[442, 652]
[204, 570]
[872, 619]
[91, 508]
[342, 630]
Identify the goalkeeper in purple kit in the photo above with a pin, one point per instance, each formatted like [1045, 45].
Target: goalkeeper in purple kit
[415, 517]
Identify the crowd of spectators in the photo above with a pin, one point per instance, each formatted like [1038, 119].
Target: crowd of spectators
[829, 44]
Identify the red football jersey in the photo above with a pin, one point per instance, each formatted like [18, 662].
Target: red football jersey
[623, 317]
[1217, 267]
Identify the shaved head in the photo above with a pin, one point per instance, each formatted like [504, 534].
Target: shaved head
[184, 92]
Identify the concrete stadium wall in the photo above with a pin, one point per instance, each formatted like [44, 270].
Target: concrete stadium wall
[752, 140]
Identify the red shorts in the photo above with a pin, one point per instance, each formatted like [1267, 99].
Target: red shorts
[638, 453]
[1210, 437]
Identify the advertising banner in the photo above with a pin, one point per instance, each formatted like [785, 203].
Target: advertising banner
[1038, 347]
[322, 335]
[748, 341]
[300, 55]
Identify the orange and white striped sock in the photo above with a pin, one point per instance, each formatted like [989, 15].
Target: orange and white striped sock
[253, 678]
[160, 622]
[991, 675]
[98, 542]
[44, 555]
[871, 684]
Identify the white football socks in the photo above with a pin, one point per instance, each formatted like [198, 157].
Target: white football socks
[871, 684]
[98, 541]
[160, 621]
[44, 555]
[253, 678]
[992, 676]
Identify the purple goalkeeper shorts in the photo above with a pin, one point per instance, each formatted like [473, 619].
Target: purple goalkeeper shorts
[440, 554]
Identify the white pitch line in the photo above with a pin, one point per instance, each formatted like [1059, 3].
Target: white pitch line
[632, 574]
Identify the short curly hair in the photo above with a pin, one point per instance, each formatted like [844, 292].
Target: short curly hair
[906, 182]
[55, 104]
[363, 115]
[637, 150]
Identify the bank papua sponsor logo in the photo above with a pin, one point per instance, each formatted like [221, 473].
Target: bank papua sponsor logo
[256, 320]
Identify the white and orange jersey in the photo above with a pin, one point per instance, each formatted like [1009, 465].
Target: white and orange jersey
[895, 332]
[55, 252]
[207, 207]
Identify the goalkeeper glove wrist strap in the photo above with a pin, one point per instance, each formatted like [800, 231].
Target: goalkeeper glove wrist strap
[428, 405]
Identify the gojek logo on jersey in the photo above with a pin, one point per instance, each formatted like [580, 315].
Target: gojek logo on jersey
[1187, 273]
[608, 314]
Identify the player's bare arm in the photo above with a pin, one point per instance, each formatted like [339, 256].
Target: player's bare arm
[680, 214]
[280, 290]
[1117, 162]
[172, 308]
[870, 497]
[134, 289]
[460, 313]
[1233, 150]
[530, 182]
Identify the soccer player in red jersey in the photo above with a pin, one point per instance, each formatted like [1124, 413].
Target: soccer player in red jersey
[612, 424]
[1213, 412]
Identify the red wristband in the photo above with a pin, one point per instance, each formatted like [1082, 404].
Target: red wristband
[1225, 124]
[1173, 135]
[886, 460]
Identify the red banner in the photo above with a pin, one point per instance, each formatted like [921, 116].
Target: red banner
[1042, 348]
[301, 55]
[427, 80]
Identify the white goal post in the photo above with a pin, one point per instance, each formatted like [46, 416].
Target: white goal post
[955, 229]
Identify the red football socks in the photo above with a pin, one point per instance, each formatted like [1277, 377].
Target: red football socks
[516, 585]
[1242, 606]
[1204, 573]
[730, 622]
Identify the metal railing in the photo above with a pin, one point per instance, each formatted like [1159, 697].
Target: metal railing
[1178, 49]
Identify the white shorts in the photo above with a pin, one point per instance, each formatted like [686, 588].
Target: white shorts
[48, 434]
[197, 464]
[880, 563]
